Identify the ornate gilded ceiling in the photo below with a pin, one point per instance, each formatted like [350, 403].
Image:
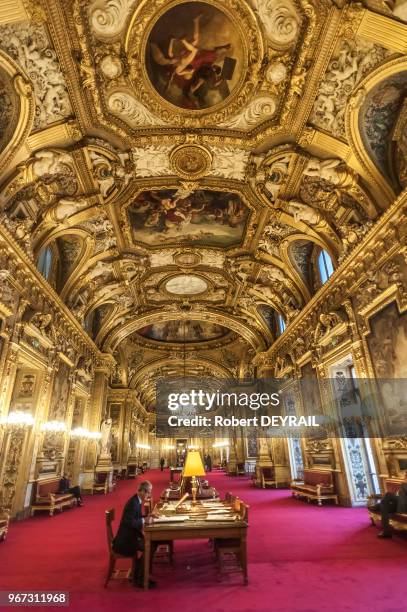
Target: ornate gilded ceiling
[185, 162]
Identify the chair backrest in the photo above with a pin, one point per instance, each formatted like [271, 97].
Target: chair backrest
[268, 472]
[392, 485]
[109, 515]
[101, 477]
[318, 477]
[43, 488]
[228, 497]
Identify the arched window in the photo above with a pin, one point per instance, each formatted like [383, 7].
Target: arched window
[280, 324]
[44, 262]
[325, 266]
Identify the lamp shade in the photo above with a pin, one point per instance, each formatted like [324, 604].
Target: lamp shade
[193, 464]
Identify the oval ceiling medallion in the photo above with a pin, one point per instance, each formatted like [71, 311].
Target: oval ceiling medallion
[190, 161]
[195, 56]
[186, 284]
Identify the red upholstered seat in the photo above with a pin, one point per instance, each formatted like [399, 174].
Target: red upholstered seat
[402, 518]
[317, 484]
[392, 486]
[46, 487]
[46, 496]
[268, 472]
[317, 477]
[397, 520]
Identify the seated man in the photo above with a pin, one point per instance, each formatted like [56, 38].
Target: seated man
[129, 540]
[390, 504]
[65, 487]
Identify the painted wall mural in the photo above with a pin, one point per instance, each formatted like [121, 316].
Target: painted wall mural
[396, 8]
[25, 391]
[201, 217]
[311, 397]
[388, 343]
[388, 349]
[194, 56]
[60, 393]
[378, 115]
[180, 331]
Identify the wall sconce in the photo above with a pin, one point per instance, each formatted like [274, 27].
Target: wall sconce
[94, 435]
[17, 420]
[220, 445]
[143, 446]
[82, 432]
[54, 426]
[169, 447]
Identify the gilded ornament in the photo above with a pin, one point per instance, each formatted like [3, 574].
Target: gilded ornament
[190, 161]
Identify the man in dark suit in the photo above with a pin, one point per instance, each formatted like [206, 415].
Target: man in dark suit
[390, 504]
[162, 463]
[65, 487]
[129, 540]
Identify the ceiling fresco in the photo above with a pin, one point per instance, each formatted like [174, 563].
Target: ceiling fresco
[195, 56]
[183, 331]
[184, 163]
[200, 217]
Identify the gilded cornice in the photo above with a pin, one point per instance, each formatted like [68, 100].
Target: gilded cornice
[383, 241]
[30, 277]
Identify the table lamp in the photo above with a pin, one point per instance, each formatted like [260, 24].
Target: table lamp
[193, 467]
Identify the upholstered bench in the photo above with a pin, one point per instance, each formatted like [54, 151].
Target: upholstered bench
[46, 497]
[317, 484]
[398, 521]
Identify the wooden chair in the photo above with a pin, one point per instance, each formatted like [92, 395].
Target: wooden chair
[101, 483]
[131, 471]
[112, 573]
[229, 549]
[240, 469]
[267, 477]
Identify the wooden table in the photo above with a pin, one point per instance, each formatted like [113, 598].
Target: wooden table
[193, 529]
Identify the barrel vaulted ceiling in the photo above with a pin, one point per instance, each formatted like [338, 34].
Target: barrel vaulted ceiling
[183, 163]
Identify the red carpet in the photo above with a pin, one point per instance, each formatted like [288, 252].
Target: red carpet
[301, 557]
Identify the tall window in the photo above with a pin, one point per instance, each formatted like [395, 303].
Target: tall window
[325, 266]
[44, 262]
[280, 324]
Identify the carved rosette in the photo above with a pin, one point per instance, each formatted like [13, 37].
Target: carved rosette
[190, 161]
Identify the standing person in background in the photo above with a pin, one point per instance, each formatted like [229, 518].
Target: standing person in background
[162, 463]
[208, 462]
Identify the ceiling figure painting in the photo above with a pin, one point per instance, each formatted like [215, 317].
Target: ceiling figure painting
[378, 116]
[183, 331]
[201, 217]
[194, 56]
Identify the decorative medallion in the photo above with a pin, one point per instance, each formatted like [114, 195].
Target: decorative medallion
[186, 284]
[187, 258]
[195, 56]
[189, 61]
[191, 161]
